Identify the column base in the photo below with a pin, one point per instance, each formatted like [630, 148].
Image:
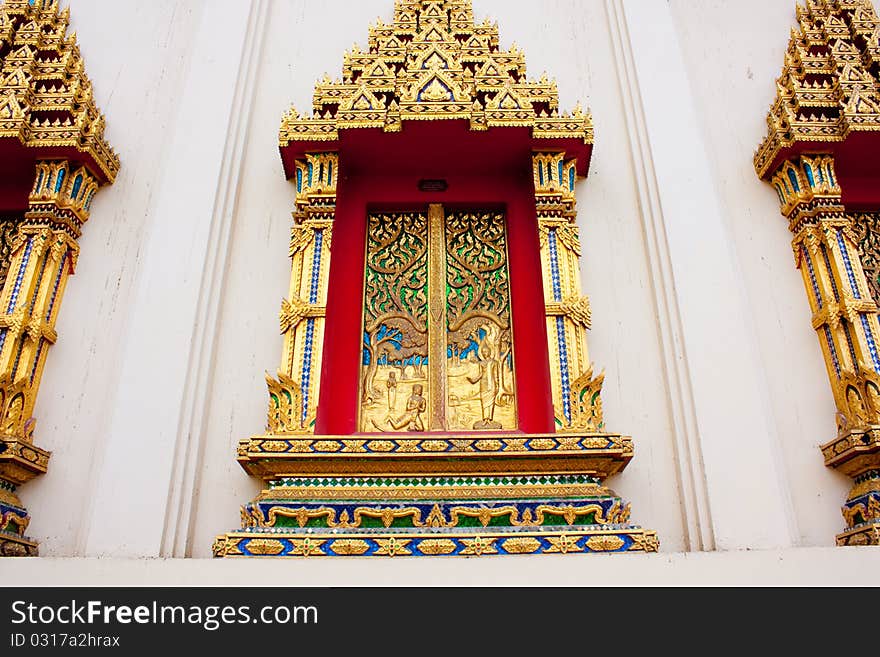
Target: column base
[857, 454]
[14, 520]
[866, 534]
[12, 545]
[20, 461]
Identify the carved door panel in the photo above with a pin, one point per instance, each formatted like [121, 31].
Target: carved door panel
[437, 343]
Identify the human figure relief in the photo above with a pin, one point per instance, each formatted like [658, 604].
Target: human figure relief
[12, 421]
[489, 377]
[857, 408]
[411, 420]
[391, 384]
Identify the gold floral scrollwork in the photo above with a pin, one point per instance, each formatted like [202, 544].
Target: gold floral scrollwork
[285, 405]
[586, 402]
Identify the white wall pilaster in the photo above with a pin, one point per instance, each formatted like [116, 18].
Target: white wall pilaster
[150, 447]
[730, 469]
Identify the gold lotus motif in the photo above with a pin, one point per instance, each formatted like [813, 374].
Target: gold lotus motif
[435, 546]
[522, 545]
[605, 543]
[350, 547]
[265, 546]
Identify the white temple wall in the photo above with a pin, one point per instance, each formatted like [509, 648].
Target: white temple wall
[699, 317]
[137, 55]
[733, 59]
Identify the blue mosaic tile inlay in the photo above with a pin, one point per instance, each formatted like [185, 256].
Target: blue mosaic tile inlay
[20, 277]
[307, 366]
[872, 347]
[37, 359]
[846, 262]
[316, 266]
[55, 287]
[563, 366]
[830, 273]
[832, 350]
[310, 324]
[812, 276]
[554, 266]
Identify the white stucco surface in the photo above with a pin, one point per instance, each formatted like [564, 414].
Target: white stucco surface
[699, 317]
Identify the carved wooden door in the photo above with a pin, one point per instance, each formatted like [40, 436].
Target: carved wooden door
[437, 338]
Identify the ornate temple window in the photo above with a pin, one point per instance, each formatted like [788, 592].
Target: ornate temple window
[435, 395]
[820, 156]
[53, 158]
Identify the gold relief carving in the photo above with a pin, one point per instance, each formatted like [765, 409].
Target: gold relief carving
[575, 308]
[265, 546]
[867, 235]
[563, 544]
[354, 446]
[350, 547]
[434, 445]
[863, 488]
[861, 513]
[543, 444]
[285, 405]
[393, 547]
[327, 446]
[586, 403]
[479, 546]
[444, 493]
[394, 376]
[524, 545]
[381, 445]
[544, 513]
[8, 233]
[305, 547]
[645, 541]
[295, 311]
[608, 543]
[436, 315]
[49, 77]
[281, 446]
[449, 68]
[437, 546]
[481, 391]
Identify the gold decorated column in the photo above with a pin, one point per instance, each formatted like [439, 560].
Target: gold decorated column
[576, 393]
[817, 154]
[293, 397]
[844, 315]
[56, 158]
[42, 257]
